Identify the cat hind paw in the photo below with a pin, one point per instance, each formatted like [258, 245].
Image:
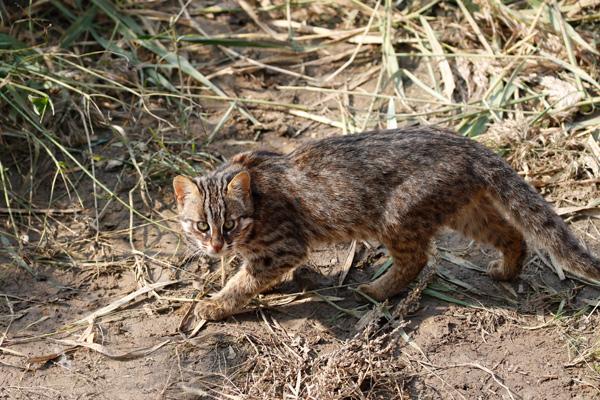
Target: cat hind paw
[373, 292]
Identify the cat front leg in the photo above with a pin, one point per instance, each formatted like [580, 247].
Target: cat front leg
[253, 278]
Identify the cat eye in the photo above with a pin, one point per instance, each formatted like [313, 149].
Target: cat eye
[229, 224]
[202, 226]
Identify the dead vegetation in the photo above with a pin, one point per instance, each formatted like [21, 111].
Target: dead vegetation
[102, 102]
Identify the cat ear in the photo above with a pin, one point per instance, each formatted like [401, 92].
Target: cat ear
[185, 189]
[240, 184]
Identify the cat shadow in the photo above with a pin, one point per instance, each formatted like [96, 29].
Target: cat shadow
[317, 297]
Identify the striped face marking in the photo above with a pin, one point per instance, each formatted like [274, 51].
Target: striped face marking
[214, 209]
[214, 214]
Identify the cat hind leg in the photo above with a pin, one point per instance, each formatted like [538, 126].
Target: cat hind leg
[481, 220]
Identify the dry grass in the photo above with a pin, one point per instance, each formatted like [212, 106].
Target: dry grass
[102, 102]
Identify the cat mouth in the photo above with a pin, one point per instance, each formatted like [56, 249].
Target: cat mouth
[212, 253]
[216, 253]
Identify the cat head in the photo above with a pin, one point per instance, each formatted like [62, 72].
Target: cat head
[215, 210]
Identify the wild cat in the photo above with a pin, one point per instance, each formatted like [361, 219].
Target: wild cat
[398, 187]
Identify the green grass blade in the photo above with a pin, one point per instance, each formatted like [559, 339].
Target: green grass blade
[9, 42]
[131, 30]
[222, 41]
[441, 296]
[82, 24]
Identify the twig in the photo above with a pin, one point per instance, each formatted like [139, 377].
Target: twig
[495, 377]
[49, 211]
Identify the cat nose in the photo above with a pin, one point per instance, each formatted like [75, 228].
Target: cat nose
[217, 246]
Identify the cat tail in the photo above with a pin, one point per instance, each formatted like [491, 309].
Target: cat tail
[540, 224]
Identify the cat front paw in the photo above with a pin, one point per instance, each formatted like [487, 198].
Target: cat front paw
[209, 310]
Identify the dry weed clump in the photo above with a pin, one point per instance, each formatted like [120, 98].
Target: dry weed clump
[288, 367]
[284, 365]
